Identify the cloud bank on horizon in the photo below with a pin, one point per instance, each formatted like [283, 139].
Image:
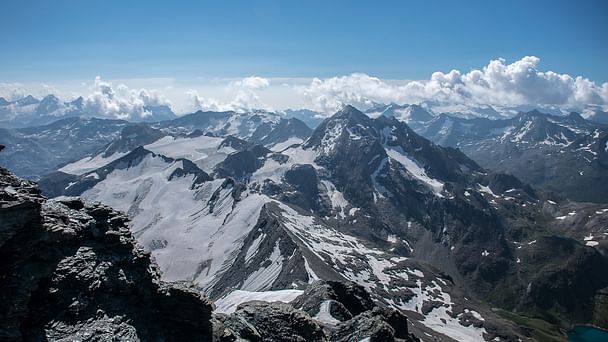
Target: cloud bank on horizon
[120, 102]
[498, 84]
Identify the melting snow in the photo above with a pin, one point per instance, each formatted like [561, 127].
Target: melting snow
[253, 249]
[324, 314]
[275, 170]
[380, 189]
[338, 202]
[373, 269]
[487, 190]
[396, 153]
[263, 278]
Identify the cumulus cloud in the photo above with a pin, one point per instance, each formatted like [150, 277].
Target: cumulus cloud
[120, 101]
[498, 83]
[245, 96]
[504, 85]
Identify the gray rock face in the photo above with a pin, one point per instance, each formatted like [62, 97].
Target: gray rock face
[300, 320]
[71, 271]
[285, 129]
[351, 297]
[261, 321]
[358, 315]
[242, 163]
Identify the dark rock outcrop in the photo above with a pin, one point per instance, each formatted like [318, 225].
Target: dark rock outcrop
[72, 271]
[261, 321]
[355, 316]
[352, 316]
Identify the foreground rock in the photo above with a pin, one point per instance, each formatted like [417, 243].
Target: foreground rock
[70, 271]
[326, 311]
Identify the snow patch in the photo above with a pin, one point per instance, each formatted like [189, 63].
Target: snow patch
[338, 202]
[229, 303]
[324, 314]
[396, 153]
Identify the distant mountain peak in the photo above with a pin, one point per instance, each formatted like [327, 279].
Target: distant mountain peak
[351, 113]
[28, 100]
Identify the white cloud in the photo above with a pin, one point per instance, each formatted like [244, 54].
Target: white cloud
[243, 101]
[120, 102]
[498, 84]
[252, 82]
[244, 92]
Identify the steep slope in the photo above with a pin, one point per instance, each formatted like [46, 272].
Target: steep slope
[566, 155]
[72, 271]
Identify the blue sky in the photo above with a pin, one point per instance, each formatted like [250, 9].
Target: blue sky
[59, 40]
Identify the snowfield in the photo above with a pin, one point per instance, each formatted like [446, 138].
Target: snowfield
[190, 238]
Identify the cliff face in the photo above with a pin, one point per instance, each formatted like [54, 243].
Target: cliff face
[70, 271]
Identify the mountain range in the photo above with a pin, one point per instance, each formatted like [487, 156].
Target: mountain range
[245, 205]
[30, 111]
[440, 217]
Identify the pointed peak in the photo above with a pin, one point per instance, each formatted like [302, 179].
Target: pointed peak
[351, 113]
[576, 117]
[50, 97]
[28, 100]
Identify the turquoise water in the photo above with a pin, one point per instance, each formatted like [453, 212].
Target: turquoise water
[587, 334]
